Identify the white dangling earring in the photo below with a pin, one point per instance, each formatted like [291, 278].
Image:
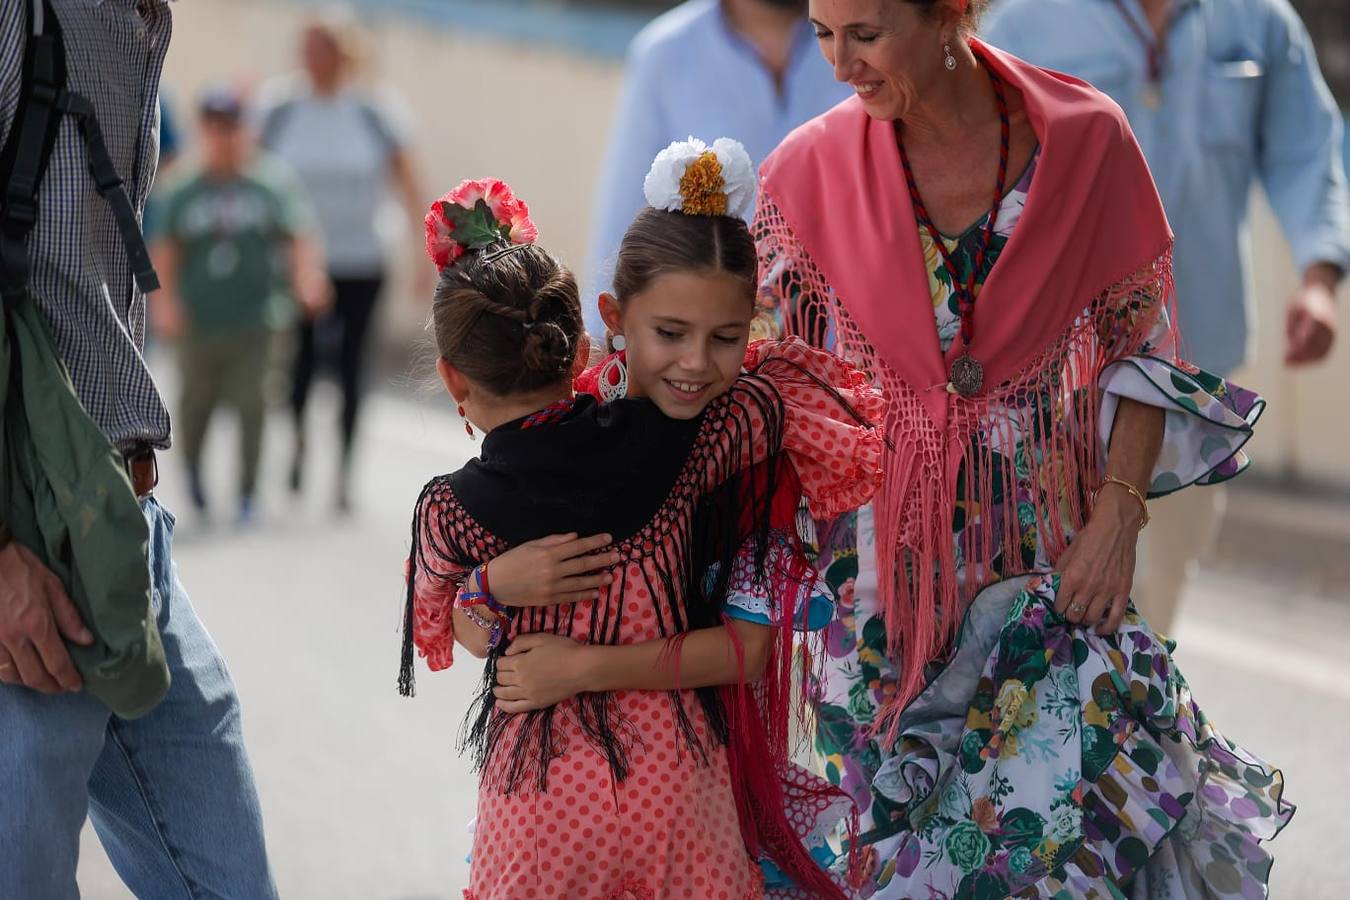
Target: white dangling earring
[613, 380]
[950, 61]
[618, 343]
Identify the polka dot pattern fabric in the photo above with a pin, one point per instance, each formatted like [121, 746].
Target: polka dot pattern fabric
[669, 830]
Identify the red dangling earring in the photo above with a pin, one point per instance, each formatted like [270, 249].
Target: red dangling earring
[467, 426]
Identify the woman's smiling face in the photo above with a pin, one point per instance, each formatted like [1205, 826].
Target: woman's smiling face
[888, 51]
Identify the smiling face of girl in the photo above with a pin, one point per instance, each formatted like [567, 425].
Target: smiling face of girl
[684, 297]
[685, 335]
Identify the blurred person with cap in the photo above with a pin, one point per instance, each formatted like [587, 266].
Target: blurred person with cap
[747, 69]
[1221, 94]
[237, 260]
[348, 143]
[115, 704]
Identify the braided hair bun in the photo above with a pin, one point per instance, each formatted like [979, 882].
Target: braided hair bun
[506, 313]
[509, 320]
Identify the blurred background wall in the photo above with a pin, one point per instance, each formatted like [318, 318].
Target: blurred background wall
[523, 90]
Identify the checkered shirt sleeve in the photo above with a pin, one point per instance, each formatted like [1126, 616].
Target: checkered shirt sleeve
[80, 276]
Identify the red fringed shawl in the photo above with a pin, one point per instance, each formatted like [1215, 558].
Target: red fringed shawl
[839, 246]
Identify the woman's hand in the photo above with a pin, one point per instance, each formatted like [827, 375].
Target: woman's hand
[560, 568]
[1097, 571]
[541, 670]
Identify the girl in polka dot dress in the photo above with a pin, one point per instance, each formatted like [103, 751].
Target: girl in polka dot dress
[612, 763]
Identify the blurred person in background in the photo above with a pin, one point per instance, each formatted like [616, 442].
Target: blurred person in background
[236, 256]
[348, 144]
[1221, 94]
[743, 68]
[147, 743]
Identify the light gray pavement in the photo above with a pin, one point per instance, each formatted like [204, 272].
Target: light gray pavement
[366, 798]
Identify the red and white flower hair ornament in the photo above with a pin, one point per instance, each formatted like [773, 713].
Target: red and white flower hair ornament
[474, 216]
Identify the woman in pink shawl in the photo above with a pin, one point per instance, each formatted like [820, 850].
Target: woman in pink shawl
[983, 237]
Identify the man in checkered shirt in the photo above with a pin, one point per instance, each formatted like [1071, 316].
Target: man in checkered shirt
[171, 793]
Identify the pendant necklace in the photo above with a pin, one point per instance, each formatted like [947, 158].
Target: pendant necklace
[967, 373]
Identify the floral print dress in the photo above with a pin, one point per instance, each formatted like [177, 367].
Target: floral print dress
[1044, 760]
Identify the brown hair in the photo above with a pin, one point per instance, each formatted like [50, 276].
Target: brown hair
[970, 19]
[660, 241]
[510, 321]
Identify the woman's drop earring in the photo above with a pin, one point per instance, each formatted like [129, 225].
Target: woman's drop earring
[618, 343]
[950, 61]
[467, 426]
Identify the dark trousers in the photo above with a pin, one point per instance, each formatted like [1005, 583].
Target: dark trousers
[351, 316]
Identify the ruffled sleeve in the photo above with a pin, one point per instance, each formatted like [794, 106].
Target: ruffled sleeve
[1208, 419]
[434, 580]
[761, 601]
[817, 410]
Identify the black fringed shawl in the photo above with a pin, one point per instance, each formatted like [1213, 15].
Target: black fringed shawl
[677, 495]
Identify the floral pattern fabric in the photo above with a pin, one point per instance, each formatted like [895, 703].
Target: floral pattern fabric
[1044, 760]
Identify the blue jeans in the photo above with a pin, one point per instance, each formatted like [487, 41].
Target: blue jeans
[171, 794]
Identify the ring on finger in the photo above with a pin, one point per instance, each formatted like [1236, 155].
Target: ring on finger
[1076, 609]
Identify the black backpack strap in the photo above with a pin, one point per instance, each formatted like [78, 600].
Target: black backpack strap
[43, 99]
[276, 119]
[28, 148]
[110, 187]
[269, 130]
[377, 125]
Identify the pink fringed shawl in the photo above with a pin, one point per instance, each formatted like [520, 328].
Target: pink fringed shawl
[839, 245]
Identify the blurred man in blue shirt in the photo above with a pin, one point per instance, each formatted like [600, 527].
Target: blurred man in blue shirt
[1220, 93]
[745, 69]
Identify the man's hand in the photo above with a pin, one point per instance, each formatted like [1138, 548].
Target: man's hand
[35, 614]
[313, 293]
[167, 319]
[1310, 327]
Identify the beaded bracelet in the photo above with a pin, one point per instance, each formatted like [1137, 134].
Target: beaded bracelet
[468, 600]
[493, 628]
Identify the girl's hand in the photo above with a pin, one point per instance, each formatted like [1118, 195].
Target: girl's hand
[560, 568]
[1097, 571]
[539, 671]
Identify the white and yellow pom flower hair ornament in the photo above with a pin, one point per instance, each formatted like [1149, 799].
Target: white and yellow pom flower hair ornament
[698, 180]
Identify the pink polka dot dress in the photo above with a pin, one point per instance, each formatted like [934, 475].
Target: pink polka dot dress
[627, 795]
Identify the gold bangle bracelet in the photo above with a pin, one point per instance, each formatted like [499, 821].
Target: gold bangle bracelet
[1134, 492]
